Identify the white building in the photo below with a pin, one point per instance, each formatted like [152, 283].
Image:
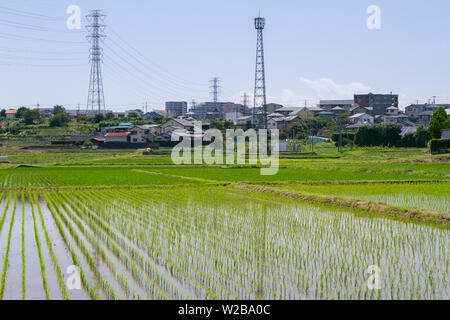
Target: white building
[361, 118]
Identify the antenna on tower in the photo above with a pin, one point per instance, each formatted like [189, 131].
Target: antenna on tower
[215, 87]
[260, 76]
[96, 96]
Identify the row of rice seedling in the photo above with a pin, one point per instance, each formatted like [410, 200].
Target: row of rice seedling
[39, 248]
[8, 247]
[23, 248]
[56, 265]
[158, 286]
[154, 248]
[223, 244]
[91, 237]
[220, 243]
[77, 243]
[429, 196]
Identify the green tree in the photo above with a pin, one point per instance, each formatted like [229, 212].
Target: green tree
[109, 116]
[59, 120]
[3, 113]
[31, 115]
[21, 112]
[58, 109]
[423, 136]
[99, 118]
[438, 122]
[133, 115]
[387, 135]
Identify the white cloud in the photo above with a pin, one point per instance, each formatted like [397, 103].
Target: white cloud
[293, 99]
[328, 89]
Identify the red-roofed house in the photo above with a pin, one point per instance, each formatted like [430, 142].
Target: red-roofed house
[123, 137]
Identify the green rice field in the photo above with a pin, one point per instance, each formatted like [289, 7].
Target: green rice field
[142, 228]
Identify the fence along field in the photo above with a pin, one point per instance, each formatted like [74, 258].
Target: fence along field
[208, 243]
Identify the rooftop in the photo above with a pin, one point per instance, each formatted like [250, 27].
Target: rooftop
[359, 115]
[287, 119]
[117, 134]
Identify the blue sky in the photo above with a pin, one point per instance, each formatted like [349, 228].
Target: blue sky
[169, 50]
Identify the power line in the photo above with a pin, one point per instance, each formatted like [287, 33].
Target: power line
[19, 37]
[174, 77]
[35, 27]
[173, 84]
[140, 71]
[28, 14]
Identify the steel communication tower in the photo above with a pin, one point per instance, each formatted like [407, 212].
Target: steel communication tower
[260, 76]
[215, 87]
[96, 96]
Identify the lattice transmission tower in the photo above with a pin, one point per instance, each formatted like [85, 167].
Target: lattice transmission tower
[96, 96]
[215, 89]
[260, 77]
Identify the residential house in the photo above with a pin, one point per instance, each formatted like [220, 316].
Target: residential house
[308, 112]
[392, 111]
[149, 116]
[425, 117]
[325, 114]
[286, 111]
[242, 122]
[11, 114]
[413, 110]
[139, 135]
[174, 124]
[356, 109]
[122, 127]
[162, 113]
[282, 123]
[273, 107]
[338, 110]
[361, 118]
[328, 105]
[117, 137]
[154, 129]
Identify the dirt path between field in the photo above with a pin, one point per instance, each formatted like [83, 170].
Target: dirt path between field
[436, 218]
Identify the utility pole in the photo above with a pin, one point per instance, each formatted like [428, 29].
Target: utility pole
[260, 101]
[96, 96]
[434, 100]
[340, 133]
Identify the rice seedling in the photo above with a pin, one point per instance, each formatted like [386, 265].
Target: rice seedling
[23, 248]
[8, 246]
[39, 248]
